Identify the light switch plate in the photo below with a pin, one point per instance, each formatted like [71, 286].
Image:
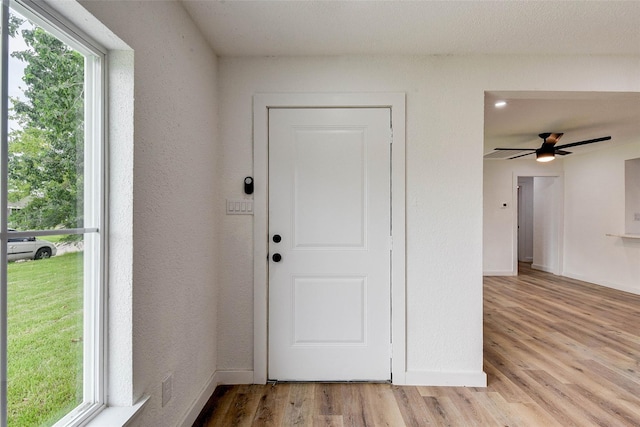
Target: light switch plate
[239, 207]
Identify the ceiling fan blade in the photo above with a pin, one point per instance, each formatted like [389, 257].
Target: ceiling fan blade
[517, 149]
[551, 138]
[521, 155]
[588, 141]
[562, 152]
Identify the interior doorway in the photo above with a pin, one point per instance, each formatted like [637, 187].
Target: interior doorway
[539, 222]
[525, 219]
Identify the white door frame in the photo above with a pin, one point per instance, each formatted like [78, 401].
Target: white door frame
[525, 223]
[261, 105]
[559, 238]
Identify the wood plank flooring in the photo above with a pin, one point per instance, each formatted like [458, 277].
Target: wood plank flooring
[557, 352]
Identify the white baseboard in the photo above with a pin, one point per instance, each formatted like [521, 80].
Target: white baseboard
[198, 404]
[499, 273]
[450, 379]
[543, 268]
[219, 377]
[235, 377]
[603, 283]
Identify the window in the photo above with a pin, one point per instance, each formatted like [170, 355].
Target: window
[52, 220]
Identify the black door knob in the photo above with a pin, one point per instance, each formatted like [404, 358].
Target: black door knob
[276, 257]
[277, 238]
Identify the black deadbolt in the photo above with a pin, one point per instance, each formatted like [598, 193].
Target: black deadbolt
[248, 185]
[276, 257]
[277, 238]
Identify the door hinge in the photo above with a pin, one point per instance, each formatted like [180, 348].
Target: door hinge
[390, 243]
[390, 135]
[391, 349]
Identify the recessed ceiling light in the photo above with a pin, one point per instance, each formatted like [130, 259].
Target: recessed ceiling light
[500, 104]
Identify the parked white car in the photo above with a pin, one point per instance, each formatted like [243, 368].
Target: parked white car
[29, 248]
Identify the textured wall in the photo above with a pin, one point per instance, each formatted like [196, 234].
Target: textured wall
[445, 97]
[182, 173]
[435, 227]
[175, 203]
[594, 207]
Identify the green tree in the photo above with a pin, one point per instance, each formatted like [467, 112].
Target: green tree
[46, 154]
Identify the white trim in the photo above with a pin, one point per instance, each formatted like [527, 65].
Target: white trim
[447, 379]
[4, 167]
[94, 209]
[261, 105]
[218, 378]
[235, 377]
[604, 283]
[514, 202]
[117, 129]
[498, 273]
[42, 14]
[118, 416]
[198, 405]
[543, 268]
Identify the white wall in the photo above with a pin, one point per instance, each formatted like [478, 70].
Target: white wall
[445, 101]
[547, 223]
[500, 225]
[594, 207]
[175, 205]
[444, 295]
[182, 174]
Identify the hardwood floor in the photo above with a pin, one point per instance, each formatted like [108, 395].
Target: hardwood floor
[557, 352]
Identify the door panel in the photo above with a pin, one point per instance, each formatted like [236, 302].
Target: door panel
[329, 200]
[327, 159]
[319, 298]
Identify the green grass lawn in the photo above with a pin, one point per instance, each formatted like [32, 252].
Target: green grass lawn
[44, 339]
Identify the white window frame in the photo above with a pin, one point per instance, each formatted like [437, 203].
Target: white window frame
[95, 207]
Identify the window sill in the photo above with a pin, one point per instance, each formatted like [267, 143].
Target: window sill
[117, 416]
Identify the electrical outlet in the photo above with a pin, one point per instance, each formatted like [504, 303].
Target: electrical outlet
[636, 216]
[167, 389]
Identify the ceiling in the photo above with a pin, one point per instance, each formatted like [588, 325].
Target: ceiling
[311, 28]
[579, 115]
[396, 27]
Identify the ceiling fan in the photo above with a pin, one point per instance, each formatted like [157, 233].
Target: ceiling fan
[548, 149]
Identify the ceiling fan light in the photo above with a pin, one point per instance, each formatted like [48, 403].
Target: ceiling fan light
[545, 155]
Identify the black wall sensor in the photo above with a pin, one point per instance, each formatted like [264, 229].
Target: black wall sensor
[248, 185]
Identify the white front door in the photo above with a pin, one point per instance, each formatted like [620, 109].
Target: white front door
[329, 244]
